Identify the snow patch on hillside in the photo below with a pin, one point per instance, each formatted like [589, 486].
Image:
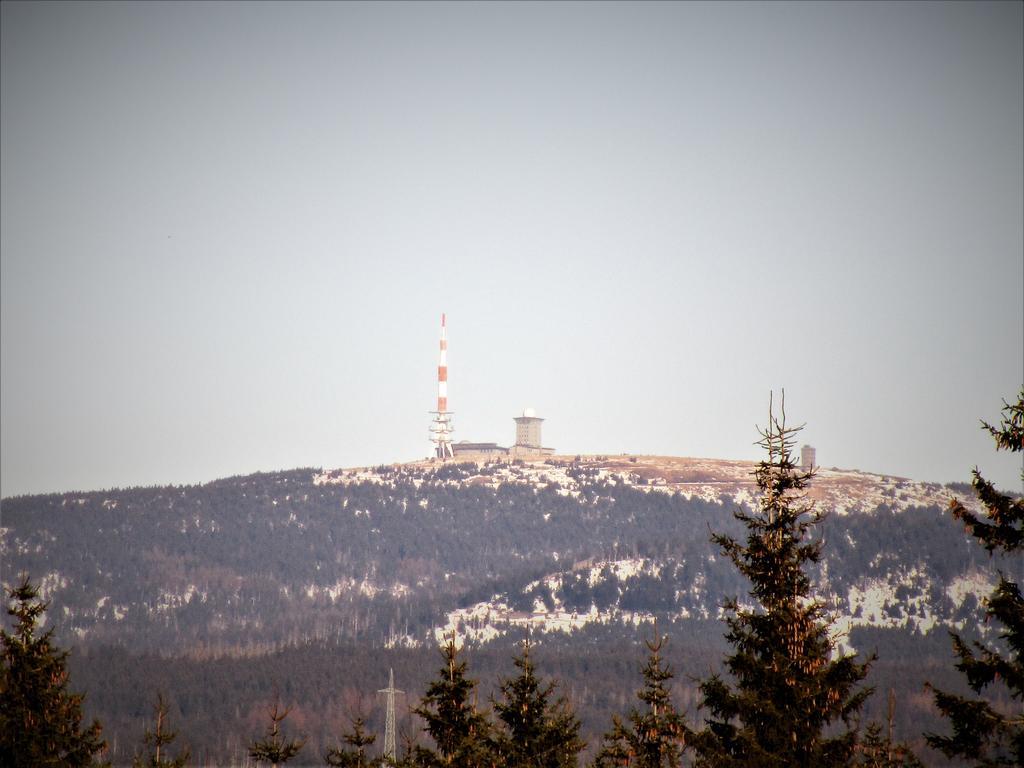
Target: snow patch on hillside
[350, 588]
[977, 583]
[490, 619]
[486, 621]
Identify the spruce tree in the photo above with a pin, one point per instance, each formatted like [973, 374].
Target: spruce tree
[539, 731]
[460, 732]
[354, 755]
[655, 736]
[157, 740]
[982, 734]
[40, 720]
[787, 703]
[876, 750]
[272, 748]
[414, 755]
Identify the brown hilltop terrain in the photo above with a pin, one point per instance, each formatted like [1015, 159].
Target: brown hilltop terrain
[839, 490]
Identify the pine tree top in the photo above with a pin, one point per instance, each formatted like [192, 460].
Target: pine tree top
[653, 735]
[353, 755]
[539, 729]
[788, 697]
[981, 733]
[458, 729]
[1003, 528]
[273, 748]
[157, 739]
[40, 720]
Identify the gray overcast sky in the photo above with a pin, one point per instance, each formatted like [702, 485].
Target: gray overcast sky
[228, 232]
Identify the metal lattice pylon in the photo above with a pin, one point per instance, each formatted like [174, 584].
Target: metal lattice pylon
[390, 751]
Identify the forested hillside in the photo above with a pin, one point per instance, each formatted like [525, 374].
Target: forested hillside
[313, 583]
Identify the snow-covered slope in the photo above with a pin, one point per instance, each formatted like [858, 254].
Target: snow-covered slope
[403, 554]
[842, 491]
[904, 596]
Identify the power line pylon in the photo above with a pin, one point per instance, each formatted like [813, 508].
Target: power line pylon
[390, 751]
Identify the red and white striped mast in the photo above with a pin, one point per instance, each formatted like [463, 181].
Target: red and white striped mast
[441, 428]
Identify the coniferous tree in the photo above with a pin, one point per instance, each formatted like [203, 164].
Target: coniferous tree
[538, 732]
[788, 703]
[272, 748]
[354, 755]
[156, 741]
[980, 733]
[460, 732]
[878, 751]
[655, 736]
[40, 720]
[414, 755]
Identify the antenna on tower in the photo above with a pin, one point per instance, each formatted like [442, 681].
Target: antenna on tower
[441, 427]
[390, 750]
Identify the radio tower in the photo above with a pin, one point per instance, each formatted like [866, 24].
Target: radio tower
[389, 725]
[441, 428]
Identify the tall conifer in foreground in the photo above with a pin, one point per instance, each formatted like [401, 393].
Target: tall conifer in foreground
[538, 732]
[40, 720]
[459, 730]
[980, 733]
[787, 702]
[654, 736]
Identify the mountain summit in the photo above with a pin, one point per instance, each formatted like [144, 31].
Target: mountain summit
[401, 554]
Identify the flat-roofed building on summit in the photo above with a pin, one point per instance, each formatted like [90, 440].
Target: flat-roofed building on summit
[464, 447]
[528, 440]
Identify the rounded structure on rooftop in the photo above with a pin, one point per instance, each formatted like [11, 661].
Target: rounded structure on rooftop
[529, 413]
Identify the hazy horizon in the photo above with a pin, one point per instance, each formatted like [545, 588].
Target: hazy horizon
[229, 231]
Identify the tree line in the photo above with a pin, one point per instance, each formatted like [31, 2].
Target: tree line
[786, 696]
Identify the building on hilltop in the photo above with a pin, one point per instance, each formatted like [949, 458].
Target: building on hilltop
[441, 427]
[466, 449]
[528, 429]
[528, 442]
[808, 458]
